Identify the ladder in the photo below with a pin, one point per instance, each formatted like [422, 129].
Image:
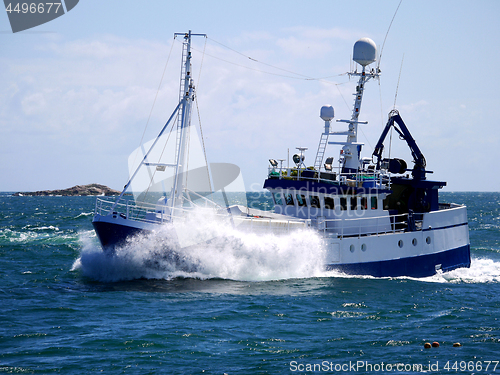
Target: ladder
[182, 93]
[321, 151]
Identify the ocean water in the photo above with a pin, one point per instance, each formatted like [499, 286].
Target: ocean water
[253, 305]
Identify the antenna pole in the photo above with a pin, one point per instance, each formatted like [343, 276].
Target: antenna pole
[352, 149]
[186, 96]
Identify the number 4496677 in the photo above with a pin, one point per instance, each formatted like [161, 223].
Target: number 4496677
[33, 8]
[471, 366]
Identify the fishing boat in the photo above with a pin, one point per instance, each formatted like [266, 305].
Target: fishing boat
[376, 216]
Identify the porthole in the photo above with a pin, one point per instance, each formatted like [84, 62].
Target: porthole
[363, 247]
[400, 243]
[351, 248]
[428, 240]
[414, 242]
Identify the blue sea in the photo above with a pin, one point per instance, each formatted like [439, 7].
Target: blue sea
[259, 304]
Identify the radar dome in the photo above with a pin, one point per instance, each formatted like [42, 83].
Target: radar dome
[326, 113]
[365, 51]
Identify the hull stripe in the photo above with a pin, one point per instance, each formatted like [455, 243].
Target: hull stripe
[418, 266]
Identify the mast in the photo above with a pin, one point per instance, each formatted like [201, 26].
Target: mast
[352, 148]
[364, 54]
[186, 97]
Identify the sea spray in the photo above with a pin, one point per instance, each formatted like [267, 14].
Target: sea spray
[206, 246]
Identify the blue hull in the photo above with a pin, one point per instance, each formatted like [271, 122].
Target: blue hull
[420, 266]
[111, 235]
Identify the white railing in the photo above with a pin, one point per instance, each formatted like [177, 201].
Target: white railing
[366, 226]
[126, 208]
[147, 212]
[359, 227]
[350, 179]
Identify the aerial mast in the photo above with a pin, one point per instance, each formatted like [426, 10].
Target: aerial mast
[186, 97]
[364, 53]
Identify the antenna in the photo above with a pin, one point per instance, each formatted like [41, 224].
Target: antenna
[383, 44]
[397, 87]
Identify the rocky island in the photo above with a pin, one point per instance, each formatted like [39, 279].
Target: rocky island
[83, 190]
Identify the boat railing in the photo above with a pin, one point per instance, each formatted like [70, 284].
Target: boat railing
[349, 227]
[140, 211]
[147, 212]
[367, 226]
[126, 208]
[368, 178]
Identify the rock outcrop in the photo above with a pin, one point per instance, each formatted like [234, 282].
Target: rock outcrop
[91, 189]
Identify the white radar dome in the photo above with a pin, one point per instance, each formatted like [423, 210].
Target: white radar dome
[364, 52]
[326, 113]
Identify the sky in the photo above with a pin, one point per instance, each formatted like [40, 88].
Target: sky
[79, 93]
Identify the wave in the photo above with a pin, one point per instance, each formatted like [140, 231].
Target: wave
[482, 270]
[42, 228]
[84, 214]
[30, 234]
[230, 253]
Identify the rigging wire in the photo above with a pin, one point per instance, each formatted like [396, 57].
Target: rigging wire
[397, 87]
[395, 97]
[387, 33]
[301, 76]
[154, 101]
[202, 58]
[161, 155]
[378, 66]
[260, 62]
[342, 96]
[199, 117]
[203, 141]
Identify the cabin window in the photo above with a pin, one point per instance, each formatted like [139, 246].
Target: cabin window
[354, 203]
[364, 203]
[343, 204]
[329, 203]
[374, 203]
[289, 199]
[301, 200]
[314, 201]
[277, 199]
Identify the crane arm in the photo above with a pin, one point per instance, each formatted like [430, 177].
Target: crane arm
[397, 122]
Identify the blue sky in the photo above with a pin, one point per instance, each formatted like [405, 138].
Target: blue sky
[77, 92]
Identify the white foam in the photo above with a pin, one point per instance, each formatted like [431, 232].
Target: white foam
[84, 214]
[482, 270]
[231, 253]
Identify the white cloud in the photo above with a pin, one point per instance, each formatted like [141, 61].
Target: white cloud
[86, 101]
